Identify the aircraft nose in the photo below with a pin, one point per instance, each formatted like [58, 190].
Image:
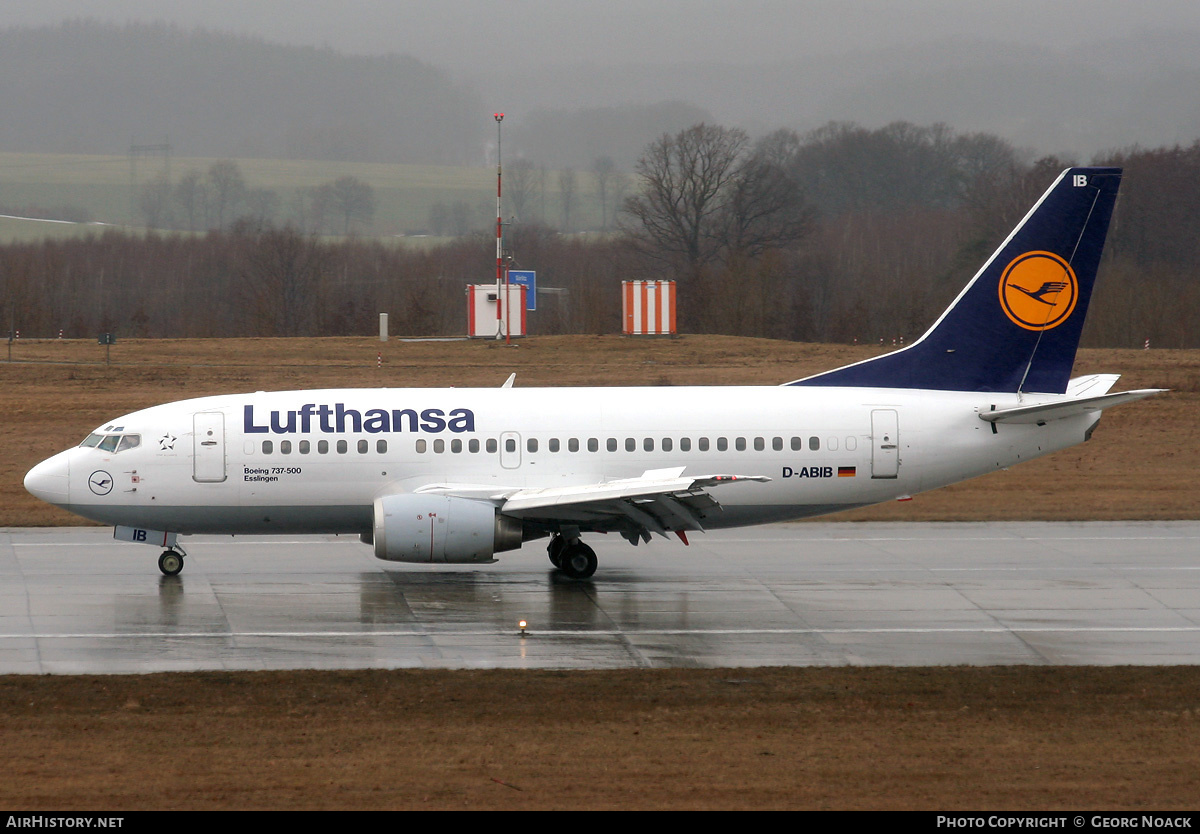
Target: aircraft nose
[50, 480]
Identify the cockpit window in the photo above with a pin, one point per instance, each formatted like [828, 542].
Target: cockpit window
[112, 442]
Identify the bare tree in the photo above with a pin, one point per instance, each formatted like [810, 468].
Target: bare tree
[707, 197]
[604, 170]
[155, 201]
[261, 206]
[566, 195]
[282, 273]
[310, 206]
[353, 200]
[189, 193]
[686, 179]
[519, 185]
[227, 188]
[765, 209]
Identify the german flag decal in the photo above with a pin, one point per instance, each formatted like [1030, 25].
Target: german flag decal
[847, 471]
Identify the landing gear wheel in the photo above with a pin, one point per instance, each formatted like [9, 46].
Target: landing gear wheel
[170, 563]
[579, 561]
[555, 549]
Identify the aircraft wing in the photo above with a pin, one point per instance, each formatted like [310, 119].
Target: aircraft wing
[659, 501]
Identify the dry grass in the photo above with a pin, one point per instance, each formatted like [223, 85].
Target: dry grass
[1009, 738]
[946, 739]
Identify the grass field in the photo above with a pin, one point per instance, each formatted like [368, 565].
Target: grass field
[1006, 739]
[102, 185]
[943, 739]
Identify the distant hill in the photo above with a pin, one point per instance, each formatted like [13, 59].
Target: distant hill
[88, 87]
[1140, 88]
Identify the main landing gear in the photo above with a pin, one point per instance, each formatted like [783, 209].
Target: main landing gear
[171, 561]
[574, 558]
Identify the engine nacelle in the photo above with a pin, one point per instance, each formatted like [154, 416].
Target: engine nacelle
[440, 528]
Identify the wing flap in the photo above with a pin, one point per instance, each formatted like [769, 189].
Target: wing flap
[660, 501]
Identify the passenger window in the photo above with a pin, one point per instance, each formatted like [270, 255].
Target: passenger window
[667, 444]
[740, 444]
[473, 445]
[685, 444]
[439, 446]
[814, 443]
[363, 447]
[531, 444]
[268, 447]
[831, 444]
[323, 447]
[722, 444]
[648, 444]
[573, 444]
[492, 446]
[777, 444]
[554, 444]
[381, 446]
[343, 447]
[456, 446]
[702, 444]
[797, 444]
[593, 444]
[612, 444]
[285, 447]
[630, 444]
[304, 447]
[510, 445]
[421, 447]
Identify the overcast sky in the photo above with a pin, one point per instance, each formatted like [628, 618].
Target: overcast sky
[466, 36]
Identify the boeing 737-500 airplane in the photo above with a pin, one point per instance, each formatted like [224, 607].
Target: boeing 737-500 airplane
[457, 475]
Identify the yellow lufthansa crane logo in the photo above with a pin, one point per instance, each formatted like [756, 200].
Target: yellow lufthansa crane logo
[1038, 291]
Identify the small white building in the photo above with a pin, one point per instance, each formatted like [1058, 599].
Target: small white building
[482, 319]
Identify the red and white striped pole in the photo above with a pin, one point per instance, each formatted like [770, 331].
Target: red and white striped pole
[499, 233]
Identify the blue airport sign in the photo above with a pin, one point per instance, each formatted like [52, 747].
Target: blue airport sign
[528, 277]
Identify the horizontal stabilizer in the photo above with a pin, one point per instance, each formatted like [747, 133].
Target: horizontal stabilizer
[1045, 412]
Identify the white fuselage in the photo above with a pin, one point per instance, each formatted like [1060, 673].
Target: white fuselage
[314, 461]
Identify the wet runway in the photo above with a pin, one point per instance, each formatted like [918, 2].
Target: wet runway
[76, 601]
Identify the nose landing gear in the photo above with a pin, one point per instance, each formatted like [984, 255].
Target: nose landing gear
[171, 561]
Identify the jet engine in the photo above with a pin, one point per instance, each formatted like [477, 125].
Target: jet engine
[440, 528]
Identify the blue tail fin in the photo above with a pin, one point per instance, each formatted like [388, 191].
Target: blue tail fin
[1016, 326]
